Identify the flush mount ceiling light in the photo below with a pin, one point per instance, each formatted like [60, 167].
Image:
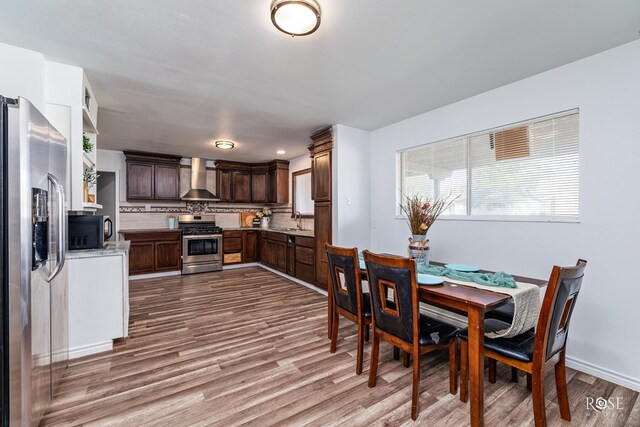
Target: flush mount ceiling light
[224, 144]
[295, 17]
[280, 152]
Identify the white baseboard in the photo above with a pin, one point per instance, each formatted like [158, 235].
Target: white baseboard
[604, 373]
[90, 349]
[293, 279]
[155, 275]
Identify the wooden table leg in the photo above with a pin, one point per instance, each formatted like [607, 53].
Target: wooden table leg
[476, 365]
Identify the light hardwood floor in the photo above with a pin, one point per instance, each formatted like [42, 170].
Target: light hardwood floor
[247, 346]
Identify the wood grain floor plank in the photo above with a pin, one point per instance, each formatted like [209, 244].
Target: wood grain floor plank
[249, 347]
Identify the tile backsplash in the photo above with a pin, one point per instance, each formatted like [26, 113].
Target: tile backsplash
[227, 216]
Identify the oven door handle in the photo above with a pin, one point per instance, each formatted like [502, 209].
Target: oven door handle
[203, 236]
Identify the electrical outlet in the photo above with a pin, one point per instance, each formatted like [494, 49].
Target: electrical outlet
[147, 208]
[348, 201]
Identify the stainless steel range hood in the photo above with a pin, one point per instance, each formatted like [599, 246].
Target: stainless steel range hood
[199, 192]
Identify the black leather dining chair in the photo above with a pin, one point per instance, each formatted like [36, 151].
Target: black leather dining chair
[347, 297]
[532, 351]
[396, 318]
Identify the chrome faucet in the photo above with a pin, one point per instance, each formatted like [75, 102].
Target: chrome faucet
[298, 217]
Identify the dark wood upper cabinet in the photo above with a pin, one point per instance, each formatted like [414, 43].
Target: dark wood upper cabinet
[321, 182]
[167, 182]
[152, 176]
[253, 182]
[233, 182]
[139, 181]
[241, 186]
[223, 185]
[279, 181]
[260, 183]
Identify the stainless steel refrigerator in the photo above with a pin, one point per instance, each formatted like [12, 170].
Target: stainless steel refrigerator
[33, 222]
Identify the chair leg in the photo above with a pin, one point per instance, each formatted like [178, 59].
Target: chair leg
[416, 386]
[375, 352]
[330, 310]
[366, 332]
[405, 359]
[334, 332]
[529, 381]
[492, 371]
[396, 353]
[561, 388]
[539, 415]
[360, 348]
[514, 374]
[464, 370]
[453, 365]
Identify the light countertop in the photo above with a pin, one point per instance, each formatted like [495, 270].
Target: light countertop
[110, 248]
[293, 232]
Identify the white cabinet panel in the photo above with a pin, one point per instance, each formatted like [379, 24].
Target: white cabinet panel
[98, 302]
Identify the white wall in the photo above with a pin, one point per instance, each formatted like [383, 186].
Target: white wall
[351, 203]
[606, 89]
[22, 74]
[114, 161]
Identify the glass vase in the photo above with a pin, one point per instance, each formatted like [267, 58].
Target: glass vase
[419, 250]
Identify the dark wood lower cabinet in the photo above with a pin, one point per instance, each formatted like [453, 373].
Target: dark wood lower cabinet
[232, 247]
[249, 246]
[165, 258]
[305, 259]
[141, 258]
[240, 246]
[154, 251]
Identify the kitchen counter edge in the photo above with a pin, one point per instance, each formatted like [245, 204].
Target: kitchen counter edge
[121, 247]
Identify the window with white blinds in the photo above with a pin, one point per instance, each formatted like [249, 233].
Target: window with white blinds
[525, 171]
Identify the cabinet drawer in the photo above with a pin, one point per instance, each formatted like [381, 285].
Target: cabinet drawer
[226, 234]
[232, 258]
[304, 255]
[277, 237]
[232, 244]
[307, 242]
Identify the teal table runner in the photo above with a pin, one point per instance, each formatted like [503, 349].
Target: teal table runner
[499, 279]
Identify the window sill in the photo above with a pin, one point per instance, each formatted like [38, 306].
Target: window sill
[503, 218]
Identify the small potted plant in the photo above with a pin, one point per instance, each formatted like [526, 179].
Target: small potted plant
[90, 179]
[87, 146]
[265, 217]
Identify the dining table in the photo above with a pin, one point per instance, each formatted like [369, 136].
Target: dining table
[472, 303]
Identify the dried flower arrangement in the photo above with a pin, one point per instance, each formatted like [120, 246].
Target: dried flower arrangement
[422, 212]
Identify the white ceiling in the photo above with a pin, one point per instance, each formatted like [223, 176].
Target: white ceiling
[171, 76]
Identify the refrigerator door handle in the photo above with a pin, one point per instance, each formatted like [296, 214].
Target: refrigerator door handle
[61, 252]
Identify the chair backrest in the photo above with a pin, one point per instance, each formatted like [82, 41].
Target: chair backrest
[557, 307]
[344, 278]
[394, 295]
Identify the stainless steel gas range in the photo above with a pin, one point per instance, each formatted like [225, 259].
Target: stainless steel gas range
[201, 243]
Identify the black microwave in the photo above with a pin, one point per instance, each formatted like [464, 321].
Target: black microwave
[88, 231]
